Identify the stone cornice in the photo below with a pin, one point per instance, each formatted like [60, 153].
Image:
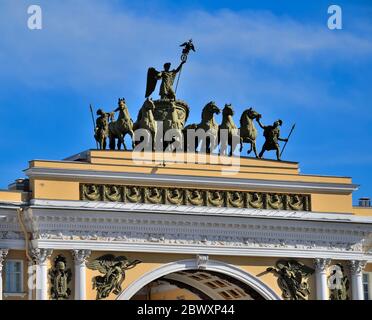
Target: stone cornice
[115, 207]
[152, 231]
[220, 182]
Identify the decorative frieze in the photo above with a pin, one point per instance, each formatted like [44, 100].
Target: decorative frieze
[194, 197]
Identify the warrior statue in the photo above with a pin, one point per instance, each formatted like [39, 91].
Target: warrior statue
[101, 129]
[272, 138]
[167, 76]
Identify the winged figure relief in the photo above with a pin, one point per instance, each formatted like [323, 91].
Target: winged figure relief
[292, 278]
[113, 270]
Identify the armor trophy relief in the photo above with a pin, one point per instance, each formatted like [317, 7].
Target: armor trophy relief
[161, 124]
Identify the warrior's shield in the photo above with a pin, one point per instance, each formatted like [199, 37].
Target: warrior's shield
[151, 81]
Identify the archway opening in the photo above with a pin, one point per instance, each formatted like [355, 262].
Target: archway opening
[196, 285]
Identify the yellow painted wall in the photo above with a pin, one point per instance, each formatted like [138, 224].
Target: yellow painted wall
[363, 211]
[331, 203]
[55, 189]
[13, 196]
[106, 161]
[368, 267]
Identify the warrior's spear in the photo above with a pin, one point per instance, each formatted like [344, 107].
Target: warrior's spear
[288, 138]
[94, 125]
[178, 79]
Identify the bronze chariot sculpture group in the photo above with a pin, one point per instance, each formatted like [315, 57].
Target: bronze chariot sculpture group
[171, 114]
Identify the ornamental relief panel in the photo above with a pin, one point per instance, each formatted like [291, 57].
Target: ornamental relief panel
[195, 197]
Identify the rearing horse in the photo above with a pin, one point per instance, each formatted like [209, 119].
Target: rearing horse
[120, 128]
[208, 124]
[248, 132]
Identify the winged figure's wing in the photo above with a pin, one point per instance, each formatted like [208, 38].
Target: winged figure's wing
[102, 264]
[97, 265]
[151, 81]
[107, 258]
[301, 268]
[307, 270]
[120, 258]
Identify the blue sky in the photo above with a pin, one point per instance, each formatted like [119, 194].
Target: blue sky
[277, 56]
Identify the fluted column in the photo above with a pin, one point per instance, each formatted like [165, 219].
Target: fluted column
[41, 257]
[80, 259]
[3, 254]
[321, 265]
[30, 278]
[356, 268]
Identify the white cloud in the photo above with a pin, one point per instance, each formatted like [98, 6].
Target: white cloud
[90, 44]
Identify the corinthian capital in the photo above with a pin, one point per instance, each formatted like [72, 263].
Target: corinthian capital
[356, 266]
[81, 256]
[321, 264]
[40, 256]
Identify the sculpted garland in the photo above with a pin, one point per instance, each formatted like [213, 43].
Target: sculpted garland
[194, 197]
[172, 115]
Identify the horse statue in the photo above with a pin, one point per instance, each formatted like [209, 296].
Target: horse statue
[229, 125]
[120, 128]
[208, 124]
[248, 132]
[146, 120]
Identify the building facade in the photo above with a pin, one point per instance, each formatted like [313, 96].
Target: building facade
[108, 225]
